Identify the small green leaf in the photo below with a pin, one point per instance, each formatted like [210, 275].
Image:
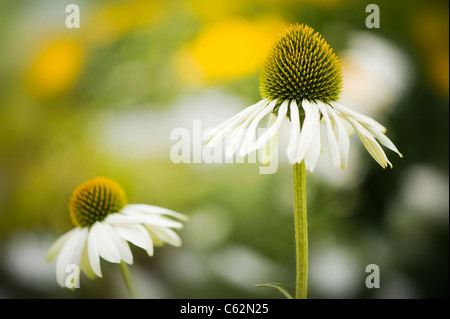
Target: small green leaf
[277, 286]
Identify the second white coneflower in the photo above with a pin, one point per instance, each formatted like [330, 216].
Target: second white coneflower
[105, 223]
[301, 81]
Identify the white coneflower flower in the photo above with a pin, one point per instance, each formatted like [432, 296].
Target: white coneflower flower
[105, 224]
[301, 81]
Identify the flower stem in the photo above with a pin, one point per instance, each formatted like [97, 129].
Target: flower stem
[128, 281]
[301, 230]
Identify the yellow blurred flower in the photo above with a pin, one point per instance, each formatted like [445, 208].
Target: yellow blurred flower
[228, 49]
[219, 9]
[429, 27]
[208, 10]
[55, 68]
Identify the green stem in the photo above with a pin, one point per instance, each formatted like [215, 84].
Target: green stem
[301, 230]
[128, 281]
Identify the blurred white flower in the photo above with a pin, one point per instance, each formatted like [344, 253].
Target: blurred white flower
[336, 273]
[105, 225]
[425, 190]
[376, 73]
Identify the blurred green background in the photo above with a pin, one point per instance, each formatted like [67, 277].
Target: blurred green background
[102, 100]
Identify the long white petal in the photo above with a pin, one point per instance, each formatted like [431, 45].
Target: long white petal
[120, 244]
[332, 140]
[85, 264]
[234, 120]
[235, 141]
[370, 143]
[157, 242]
[231, 128]
[347, 125]
[137, 235]
[150, 209]
[238, 134]
[271, 131]
[93, 253]
[342, 136]
[251, 131]
[70, 253]
[312, 155]
[295, 132]
[166, 235]
[138, 218]
[58, 244]
[372, 127]
[385, 141]
[307, 132]
[106, 245]
[364, 119]
[271, 143]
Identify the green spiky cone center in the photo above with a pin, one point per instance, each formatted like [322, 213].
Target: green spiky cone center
[93, 200]
[301, 66]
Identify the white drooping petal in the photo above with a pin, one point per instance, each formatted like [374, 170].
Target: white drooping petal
[70, 253]
[85, 264]
[107, 248]
[120, 244]
[251, 131]
[222, 130]
[58, 244]
[152, 210]
[271, 143]
[342, 136]
[332, 140]
[234, 125]
[237, 136]
[132, 218]
[157, 242]
[369, 131]
[295, 132]
[312, 154]
[348, 127]
[165, 234]
[307, 131]
[240, 134]
[137, 235]
[385, 141]
[93, 253]
[361, 118]
[305, 141]
[272, 130]
[370, 143]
